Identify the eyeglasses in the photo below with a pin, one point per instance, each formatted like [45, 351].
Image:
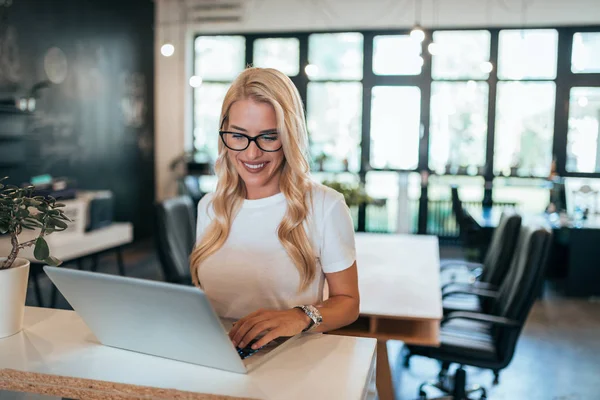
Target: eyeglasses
[268, 142]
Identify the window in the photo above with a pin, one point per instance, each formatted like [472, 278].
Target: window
[334, 108]
[335, 56]
[524, 128]
[586, 52]
[458, 131]
[527, 54]
[531, 196]
[334, 124]
[459, 109]
[396, 55]
[460, 54]
[395, 127]
[279, 53]
[396, 201]
[525, 102]
[218, 60]
[583, 148]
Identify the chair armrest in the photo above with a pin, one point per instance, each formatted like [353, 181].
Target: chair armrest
[449, 264]
[491, 294]
[493, 319]
[452, 286]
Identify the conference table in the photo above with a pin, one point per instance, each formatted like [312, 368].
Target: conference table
[400, 296]
[56, 354]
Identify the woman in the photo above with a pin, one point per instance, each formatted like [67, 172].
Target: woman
[269, 237]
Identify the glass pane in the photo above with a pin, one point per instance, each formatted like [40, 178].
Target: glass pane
[396, 55]
[531, 196]
[583, 148]
[395, 206]
[527, 54]
[586, 52]
[335, 56]
[524, 128]
[395, 127]
[580, 194]
[458, 127]
[460, 55]
[281, 54]
[334, 125]
[208, 100]
[219, 58]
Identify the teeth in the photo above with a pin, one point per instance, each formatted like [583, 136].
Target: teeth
[254, 166]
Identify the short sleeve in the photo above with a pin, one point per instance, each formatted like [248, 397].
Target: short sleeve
[338, 251]
[203, 219]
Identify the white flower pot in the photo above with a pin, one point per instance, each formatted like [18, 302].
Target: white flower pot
[13, 290]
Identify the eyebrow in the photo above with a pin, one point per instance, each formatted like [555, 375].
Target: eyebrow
[261, 132]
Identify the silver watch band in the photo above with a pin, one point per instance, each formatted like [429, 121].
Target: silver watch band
[314, 314]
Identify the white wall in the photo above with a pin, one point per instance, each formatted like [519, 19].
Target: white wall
[173, 94]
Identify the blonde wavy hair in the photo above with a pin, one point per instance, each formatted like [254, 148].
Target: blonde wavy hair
[269, 86]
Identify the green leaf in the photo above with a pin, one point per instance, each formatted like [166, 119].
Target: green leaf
[58, 223]
[59, 205]
[52, 261]
[23, 213]
[41, 251]
[33, 203]
[28, 226]
[3, 227]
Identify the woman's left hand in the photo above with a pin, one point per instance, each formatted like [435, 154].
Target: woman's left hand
[273, 323]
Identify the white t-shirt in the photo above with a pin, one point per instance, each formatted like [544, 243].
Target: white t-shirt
[252, 270]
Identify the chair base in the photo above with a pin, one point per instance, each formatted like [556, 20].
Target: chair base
[455, 386]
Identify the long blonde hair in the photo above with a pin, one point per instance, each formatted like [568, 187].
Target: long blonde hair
[269, 86]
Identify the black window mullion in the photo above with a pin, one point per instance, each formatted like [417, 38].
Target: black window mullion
[491, 121]
[365, 141]
[561, 108]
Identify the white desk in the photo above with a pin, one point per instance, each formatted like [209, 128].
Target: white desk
[400, 296]
[70, 246]
[315, 366]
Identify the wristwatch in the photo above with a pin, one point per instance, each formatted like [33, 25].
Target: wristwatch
[315, 316]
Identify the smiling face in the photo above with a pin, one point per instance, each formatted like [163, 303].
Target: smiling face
[260, 170]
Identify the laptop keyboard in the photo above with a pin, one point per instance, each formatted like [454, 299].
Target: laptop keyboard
[247, 351]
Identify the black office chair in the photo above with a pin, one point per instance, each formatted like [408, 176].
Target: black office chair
[176, 236]
[487, 275]
[489, 340]
[469, 230]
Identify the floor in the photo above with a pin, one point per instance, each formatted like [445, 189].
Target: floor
[557, 357]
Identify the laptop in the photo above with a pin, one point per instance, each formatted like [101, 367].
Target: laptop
[157, 318]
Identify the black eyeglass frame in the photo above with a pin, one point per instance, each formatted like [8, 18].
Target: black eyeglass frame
[250, 140]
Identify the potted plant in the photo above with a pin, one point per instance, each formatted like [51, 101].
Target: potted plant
[20, 210]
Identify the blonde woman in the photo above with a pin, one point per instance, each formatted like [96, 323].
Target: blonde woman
[269, 237]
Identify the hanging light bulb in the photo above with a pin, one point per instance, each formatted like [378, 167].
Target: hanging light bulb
[195, 81]
[486, 67]
[167, 50]
[417, 33]
[433, 49]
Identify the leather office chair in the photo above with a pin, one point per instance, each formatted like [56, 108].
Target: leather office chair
[176, 236]
[487, 275]
[489, 340]
[469, 230]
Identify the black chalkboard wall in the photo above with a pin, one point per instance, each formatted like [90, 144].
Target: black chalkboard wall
[94, 122]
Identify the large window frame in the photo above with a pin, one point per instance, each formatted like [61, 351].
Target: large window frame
[565, 80]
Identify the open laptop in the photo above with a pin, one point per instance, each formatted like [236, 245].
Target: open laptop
[157, 318]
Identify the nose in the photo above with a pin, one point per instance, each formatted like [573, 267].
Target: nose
[253, 152]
